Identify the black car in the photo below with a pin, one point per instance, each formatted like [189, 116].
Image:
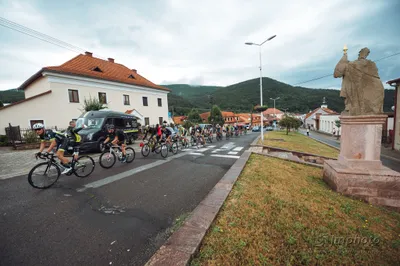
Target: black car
[95, 131]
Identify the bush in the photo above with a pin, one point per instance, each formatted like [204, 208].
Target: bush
[3, 140]
[30, 137]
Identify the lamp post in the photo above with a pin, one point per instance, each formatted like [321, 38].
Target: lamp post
[274, 109]
[261, 96]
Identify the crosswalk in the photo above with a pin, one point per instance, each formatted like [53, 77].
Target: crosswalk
[228, 150]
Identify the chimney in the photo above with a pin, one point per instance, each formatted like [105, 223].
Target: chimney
[111, 60]
[89, 54]
[134, 71]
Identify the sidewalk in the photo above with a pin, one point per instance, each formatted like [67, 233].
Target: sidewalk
[20, 162]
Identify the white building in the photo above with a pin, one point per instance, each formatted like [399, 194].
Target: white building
[312, 119]
[327, 123]
[55, 95]
[396, 119]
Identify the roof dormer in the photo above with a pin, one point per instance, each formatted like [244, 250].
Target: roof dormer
[131, 77]
[97, 69]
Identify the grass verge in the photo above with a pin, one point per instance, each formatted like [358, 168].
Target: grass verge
[283, 213]
[298, 142]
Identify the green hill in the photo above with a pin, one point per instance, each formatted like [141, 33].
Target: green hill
[11, 96]
[242, 96]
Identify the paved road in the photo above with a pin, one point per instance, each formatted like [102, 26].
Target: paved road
[118, 216]
[392, 164]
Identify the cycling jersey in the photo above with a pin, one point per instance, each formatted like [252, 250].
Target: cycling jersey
[169, 132]
[50, 135]
[116, 133]
[73, 135]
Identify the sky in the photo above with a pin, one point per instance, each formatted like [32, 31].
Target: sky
[202, 42]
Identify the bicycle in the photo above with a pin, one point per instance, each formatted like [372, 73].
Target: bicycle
[183, 142]
[78, 166]
[219, 136]
[154, 146]
[113, 153]
[172, 145]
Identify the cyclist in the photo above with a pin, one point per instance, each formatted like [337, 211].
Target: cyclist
[169, 134]
[218, 130]
[56, 139]
[74, 138]
[199, 133]
[116, 137]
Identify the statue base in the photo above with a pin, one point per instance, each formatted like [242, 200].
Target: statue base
[359, 172]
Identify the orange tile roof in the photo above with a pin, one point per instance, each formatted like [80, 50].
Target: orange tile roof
[178, 120]
[204, 116]
[329, 111]
[83, 65]
[226, 114]
[271, 111]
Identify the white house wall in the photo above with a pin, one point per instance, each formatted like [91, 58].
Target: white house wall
[39, 86]
[56, 110]
[42, 108]
[397, 133]
[327, 124]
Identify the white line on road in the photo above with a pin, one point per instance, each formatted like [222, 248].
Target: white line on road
[228, 146]
[216, 150]
[233, 152]
[122, 175]
[238, 148]
[194, 153]
[212, 146]
[225, 156]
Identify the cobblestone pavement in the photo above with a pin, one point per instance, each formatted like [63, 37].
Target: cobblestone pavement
[20, 162]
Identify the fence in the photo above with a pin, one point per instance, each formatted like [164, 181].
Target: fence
[17, 136]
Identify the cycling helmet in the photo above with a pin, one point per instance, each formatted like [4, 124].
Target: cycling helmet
[38, 126]
[110, 126]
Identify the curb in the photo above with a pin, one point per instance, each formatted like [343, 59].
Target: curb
[290, 160]
[182, 245]
[254, 143]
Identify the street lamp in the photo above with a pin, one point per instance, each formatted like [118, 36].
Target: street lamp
[261, 96]
[274, 109]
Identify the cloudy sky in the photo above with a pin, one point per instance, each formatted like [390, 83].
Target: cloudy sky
[202, 42]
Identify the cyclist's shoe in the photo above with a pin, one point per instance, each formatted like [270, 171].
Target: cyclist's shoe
[123, 160]
[66, 170]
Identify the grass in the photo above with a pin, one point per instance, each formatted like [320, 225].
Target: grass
[298, 142]
[282, 213]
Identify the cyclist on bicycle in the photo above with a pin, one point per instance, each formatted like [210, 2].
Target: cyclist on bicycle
[116, 137]
[218, 130]
[56, 139]
[74, 138]
[199, 133]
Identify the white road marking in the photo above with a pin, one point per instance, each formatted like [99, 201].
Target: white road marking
[216, 150]
[194, 153]
[203, 149]
[110, 179]
[225, 156]
[233, 152]
[238, 148]
[212, 146]
[228, 146]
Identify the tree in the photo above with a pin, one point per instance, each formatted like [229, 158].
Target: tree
[1, 104]
[92, 104]
[290, 122]
[194, 116]
[338, 124]
[216, 116]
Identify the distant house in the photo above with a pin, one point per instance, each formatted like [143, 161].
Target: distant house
[179, 120]
[273, 112]
[312, 119]
[396, 124]
[55, 95]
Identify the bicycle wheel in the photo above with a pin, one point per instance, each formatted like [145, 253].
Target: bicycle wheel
[157, 148]
[174, 148]
[145, 150]
[84, 166]
[163, 150]
[107, 159]
[130, 154]
[49, 169]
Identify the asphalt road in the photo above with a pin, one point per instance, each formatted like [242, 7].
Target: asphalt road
[117, 216]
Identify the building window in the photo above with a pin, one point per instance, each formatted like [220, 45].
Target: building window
[145, 103]
[73, 96]
[146, 121]
[160, 120]
[102, 97]
[126, 99]
[159, 102]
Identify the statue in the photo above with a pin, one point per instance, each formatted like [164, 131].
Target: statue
[361, 86]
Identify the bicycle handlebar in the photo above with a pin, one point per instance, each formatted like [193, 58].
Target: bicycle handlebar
[44, 156]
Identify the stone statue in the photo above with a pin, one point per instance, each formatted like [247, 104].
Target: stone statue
[361, 86]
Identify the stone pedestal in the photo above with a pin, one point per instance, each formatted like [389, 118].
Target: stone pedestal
[359, 171]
